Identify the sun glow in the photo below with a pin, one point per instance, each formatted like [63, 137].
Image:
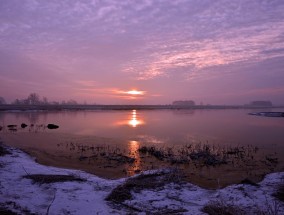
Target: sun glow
[130, 94]
[135, 92]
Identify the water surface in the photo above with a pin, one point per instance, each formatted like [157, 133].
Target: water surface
[85, 135]
[161, 126]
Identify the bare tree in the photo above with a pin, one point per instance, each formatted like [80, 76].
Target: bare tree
[33, 99]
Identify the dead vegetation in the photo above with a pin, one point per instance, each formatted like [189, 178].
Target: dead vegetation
[6, 211]
[279, 194]
[143, 182]
[11, 208]
[111, 156]
[222, 208]
[47, 179]
[3, 150]
[203, 154]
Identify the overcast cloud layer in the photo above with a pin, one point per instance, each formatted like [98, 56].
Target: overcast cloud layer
[218, 52]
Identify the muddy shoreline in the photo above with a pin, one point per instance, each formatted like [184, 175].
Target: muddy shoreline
[113, 159]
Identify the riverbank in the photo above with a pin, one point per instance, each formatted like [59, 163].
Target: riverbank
[51, 107]
[30, 188]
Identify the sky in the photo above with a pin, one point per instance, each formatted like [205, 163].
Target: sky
[143, 51]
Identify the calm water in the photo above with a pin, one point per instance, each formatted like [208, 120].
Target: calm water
[161, 127]
[92, 140]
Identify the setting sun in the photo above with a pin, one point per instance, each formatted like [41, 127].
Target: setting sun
[129, 94]
[135, 92]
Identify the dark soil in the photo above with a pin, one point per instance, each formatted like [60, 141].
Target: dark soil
[280, 192]
[3, 150]
[217, 208]
[47, 179]
[6, 211]
[11, 208]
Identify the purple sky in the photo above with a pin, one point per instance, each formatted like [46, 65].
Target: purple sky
[217, 52]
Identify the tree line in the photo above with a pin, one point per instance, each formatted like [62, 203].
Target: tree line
[35, 99]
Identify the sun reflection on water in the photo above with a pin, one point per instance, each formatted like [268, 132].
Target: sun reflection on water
[134, 121]
[133, 147]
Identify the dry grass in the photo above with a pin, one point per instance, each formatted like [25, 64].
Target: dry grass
[204, 154]
[279, 194]
[142, 182]
[221, 208]
[47, 179]
[6, 211]
[11, 208]
[3, 150]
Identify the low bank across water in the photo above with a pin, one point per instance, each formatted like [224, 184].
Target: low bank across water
[52, 107]
[268, 114]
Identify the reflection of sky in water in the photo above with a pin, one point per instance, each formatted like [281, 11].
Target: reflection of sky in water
[150, 139]
[161, 127]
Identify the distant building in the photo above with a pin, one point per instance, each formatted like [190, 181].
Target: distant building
[184, 103]
[261, 104]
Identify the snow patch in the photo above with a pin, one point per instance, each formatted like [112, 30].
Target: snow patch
[88, 197]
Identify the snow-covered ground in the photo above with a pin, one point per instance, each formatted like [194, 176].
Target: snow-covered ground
[88, 197]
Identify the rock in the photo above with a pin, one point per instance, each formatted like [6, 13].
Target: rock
[23, 125]
[52, 126]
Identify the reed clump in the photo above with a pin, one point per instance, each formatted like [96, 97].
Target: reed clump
[204, 154]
